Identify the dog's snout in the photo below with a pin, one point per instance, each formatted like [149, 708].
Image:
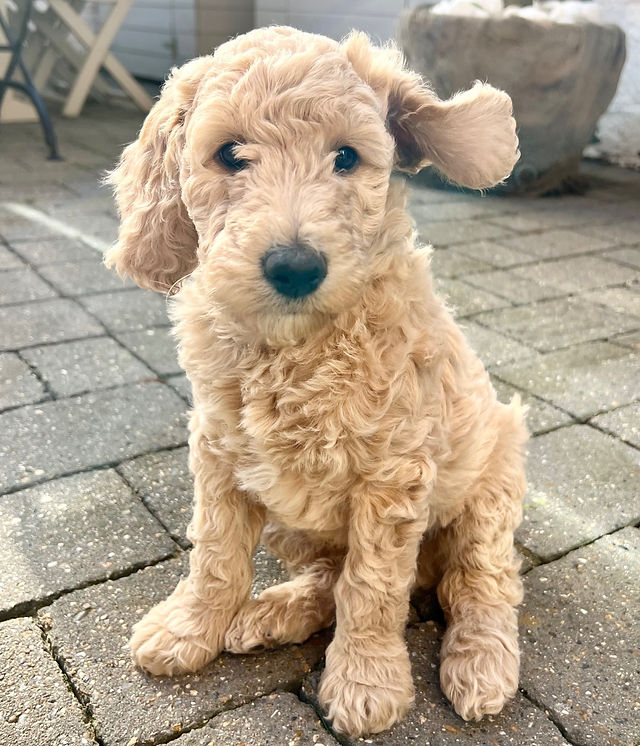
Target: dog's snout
[294, 271]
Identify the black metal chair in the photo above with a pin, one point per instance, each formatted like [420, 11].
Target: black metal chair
[14, 46]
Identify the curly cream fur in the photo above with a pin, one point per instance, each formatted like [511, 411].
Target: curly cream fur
[354, 428]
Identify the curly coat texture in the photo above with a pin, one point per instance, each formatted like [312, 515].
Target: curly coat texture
[353, 429]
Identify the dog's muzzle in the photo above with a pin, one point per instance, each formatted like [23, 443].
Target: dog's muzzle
[294, 271]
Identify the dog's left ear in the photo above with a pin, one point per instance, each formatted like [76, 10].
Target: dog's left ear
[471, 138]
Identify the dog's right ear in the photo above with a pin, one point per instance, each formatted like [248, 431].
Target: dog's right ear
[157, 241]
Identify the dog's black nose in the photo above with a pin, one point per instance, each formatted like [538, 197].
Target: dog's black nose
[294, 271]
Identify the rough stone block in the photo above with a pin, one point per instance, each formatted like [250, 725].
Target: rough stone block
[128, 309]
[465, 299]
[87, 365]
[580, 640]
[29, 324]
[43, 441]
[157, 347]
[89, 630]
[82, 278]
[584, 380]
[18, 384]
[433, 721]
[71, 531]
[548, 325]
[277, 720]
[623, 422]
[36, 707]
[582, 484]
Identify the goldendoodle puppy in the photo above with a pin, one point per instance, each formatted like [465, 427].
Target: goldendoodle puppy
[339, 414]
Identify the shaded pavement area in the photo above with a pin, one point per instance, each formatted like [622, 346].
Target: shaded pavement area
[95, 493]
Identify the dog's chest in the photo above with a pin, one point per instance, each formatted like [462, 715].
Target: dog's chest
[309, 431]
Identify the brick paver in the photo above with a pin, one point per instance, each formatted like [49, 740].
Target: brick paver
[95, 492]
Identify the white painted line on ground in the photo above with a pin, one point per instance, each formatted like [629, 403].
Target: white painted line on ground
[37, 216]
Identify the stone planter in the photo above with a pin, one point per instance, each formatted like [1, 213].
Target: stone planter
[561, 78]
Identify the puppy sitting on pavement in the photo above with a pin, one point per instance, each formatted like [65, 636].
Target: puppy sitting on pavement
[339, 415]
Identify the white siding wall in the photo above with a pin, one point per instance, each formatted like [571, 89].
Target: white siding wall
[335, 18]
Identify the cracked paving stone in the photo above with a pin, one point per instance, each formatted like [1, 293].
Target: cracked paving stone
[541, 416]
[584, 379]
[433, 722]
[277, 720]
[157, 347]
[71, 531]
[623, 422]
[54, 320]
[548, 325]
[36, 706]
[42, 441]
[18, 383]
[580, 640]
[88, 365]
[582, 484]
[128, 309]
[89, 630]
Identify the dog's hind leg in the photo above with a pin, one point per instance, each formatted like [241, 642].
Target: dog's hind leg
[481, 587]
[293, 611]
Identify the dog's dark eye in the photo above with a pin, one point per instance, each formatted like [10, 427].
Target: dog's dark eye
[227, 156]
[346, 160]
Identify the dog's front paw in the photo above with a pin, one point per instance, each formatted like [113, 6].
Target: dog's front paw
[172, 638]
[364, 694]
[479, 669]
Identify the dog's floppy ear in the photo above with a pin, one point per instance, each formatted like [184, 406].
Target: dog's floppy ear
[470, 138]
[157, 241]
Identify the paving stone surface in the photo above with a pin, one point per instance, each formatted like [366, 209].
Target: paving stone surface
[629, 256]
[493, 252]
[556, 243]
[493, 348]
[461, 231]
[18, 384]
[165, 485]
[541, 416]
[277, 720]
[44, 441]
[87, 365]
[549, 325]
[71, 531]
[433, 722]
[89, 630]
[82, 278]
[573, 274]
[514, 287]
[55, 250]
[29, 324]
[182, 385]
[623, 299]
[20, 285]
[580, 640]
[8, 260]
[36, 707]
[582, 484]
[157, 347]
[584, 379]
[623, 232]
[465, 299]
[128, 309]
[623, 422]
[452, 262]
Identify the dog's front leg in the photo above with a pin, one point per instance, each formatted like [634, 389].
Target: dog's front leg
[187, 630]
[367, 686]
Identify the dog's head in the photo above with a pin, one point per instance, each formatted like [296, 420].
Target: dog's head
[264, 168]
